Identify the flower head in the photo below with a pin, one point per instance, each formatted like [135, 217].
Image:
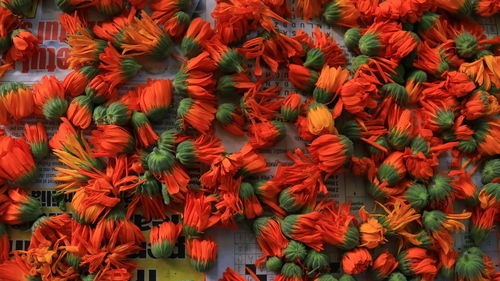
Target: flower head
[356, 261]
[163, 238]
[201, 253]
[16, 161]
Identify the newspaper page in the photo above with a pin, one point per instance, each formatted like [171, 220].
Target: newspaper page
[237, 249]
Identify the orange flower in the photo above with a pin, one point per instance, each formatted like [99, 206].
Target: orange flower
[418, 261]
[144, 132]
[197, 32]
[273, 49]
[251, 203]
[303, 228]
[155, 97]
[392, 169]
[165, 10]
[144, 36]
[4, 244]
[22, 208]
[195, 78]
[487, 8]
[341, 12]
[268, 193]
[204, 149]
[332, 152]
[163, 238]
[8, 22]
[485, 71]
[111, 140]
[372, 233]
[357, 94]
[116, 229]
[384, 265]
[198, 214]
[231, 275]
[49, 98]
[291, 107]
[462, 184]
[36, 137]
[336, 226]
[489, 139]
[430, 60]
[177, 25]
[260, 105]
[329, 83]
[230, 118]
[202, 253]
[320, 119]
[75, 82]
[16, 161]
[85, 49]
[271, 240]
[16, 269]
[308, 9]
[110, 8]
[198, 114]
[302, 77]
[226, 59]
[63, 133]
[80, 111]
[455, 7]
[113, 30]
[441, 225]
[17, 100]
[479, 104]
[69, 6]
[101, 89]
[265, 134]
[356, 261]
[120, 68]
[24, 45]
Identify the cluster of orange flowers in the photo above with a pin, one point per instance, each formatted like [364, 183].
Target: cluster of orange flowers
[423, 86]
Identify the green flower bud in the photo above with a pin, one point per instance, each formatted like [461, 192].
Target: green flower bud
[295, 251]
[351, 38]
[230, 62]
[396, 91]
[315, 59]
[470, 265]
[358, 61]
[351, 129]
[439, 188]
[399, 75]
[117, 113]
[186, 153]
[291, 270]
[370, 44]
[417, 196]
[274, 264]
[316, 261]
[326, 277]
[347, 277]
[160, 160]
[54, 108]
[397, 276]
[433, 220]
[99, 115]
[491, 170]
[466, 45]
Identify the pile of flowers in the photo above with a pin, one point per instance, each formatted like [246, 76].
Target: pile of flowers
[422, 86]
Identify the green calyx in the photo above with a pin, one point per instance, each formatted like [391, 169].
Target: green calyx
[54, 108]
[351, 38]
[433, 220]
[117, 113]
[312, 81]
[332, 13]
[399, 74]
[190, 47]
[111, 10]
[11, 87]
[202, 266]
[139, 120]
[374, 190]
[186, 153]
[39, 150]
[280, 127]
[259, 224]
[30, 210]
[467, 146]
[162, 250]
[129, 67]
[73, 260]
[274, 264]
[370, 44]
[99, 115]
[315, 59]
[419, 144]
[398, 139]
[89, 71]
[150, 186]
[347, 277]
[351, 239]
[287, 202]
[396, 91]
[492, 189]
[417, 196]
[247, 190]
[163, 48]
[326, 277]
[491, 171]
[470, 265]
[289, 115]
[322, 96]
[445, 119]
[382, 141]
[166, 140]
[397, 276]
[160, 160]
[295, 251]
[292, 270]
[351, 129]
[5, 43]
[358, 61]
[427, 21]
[316, 261]
[20, 7]
[479, 234]
[225, 85]
[28, 178]
[425, 239]
[439, 188]
[389, 174]
[417, 76]
[288, 225]
[184, 106]
[230, 62]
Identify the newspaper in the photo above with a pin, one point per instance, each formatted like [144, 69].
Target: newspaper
[237, 249]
